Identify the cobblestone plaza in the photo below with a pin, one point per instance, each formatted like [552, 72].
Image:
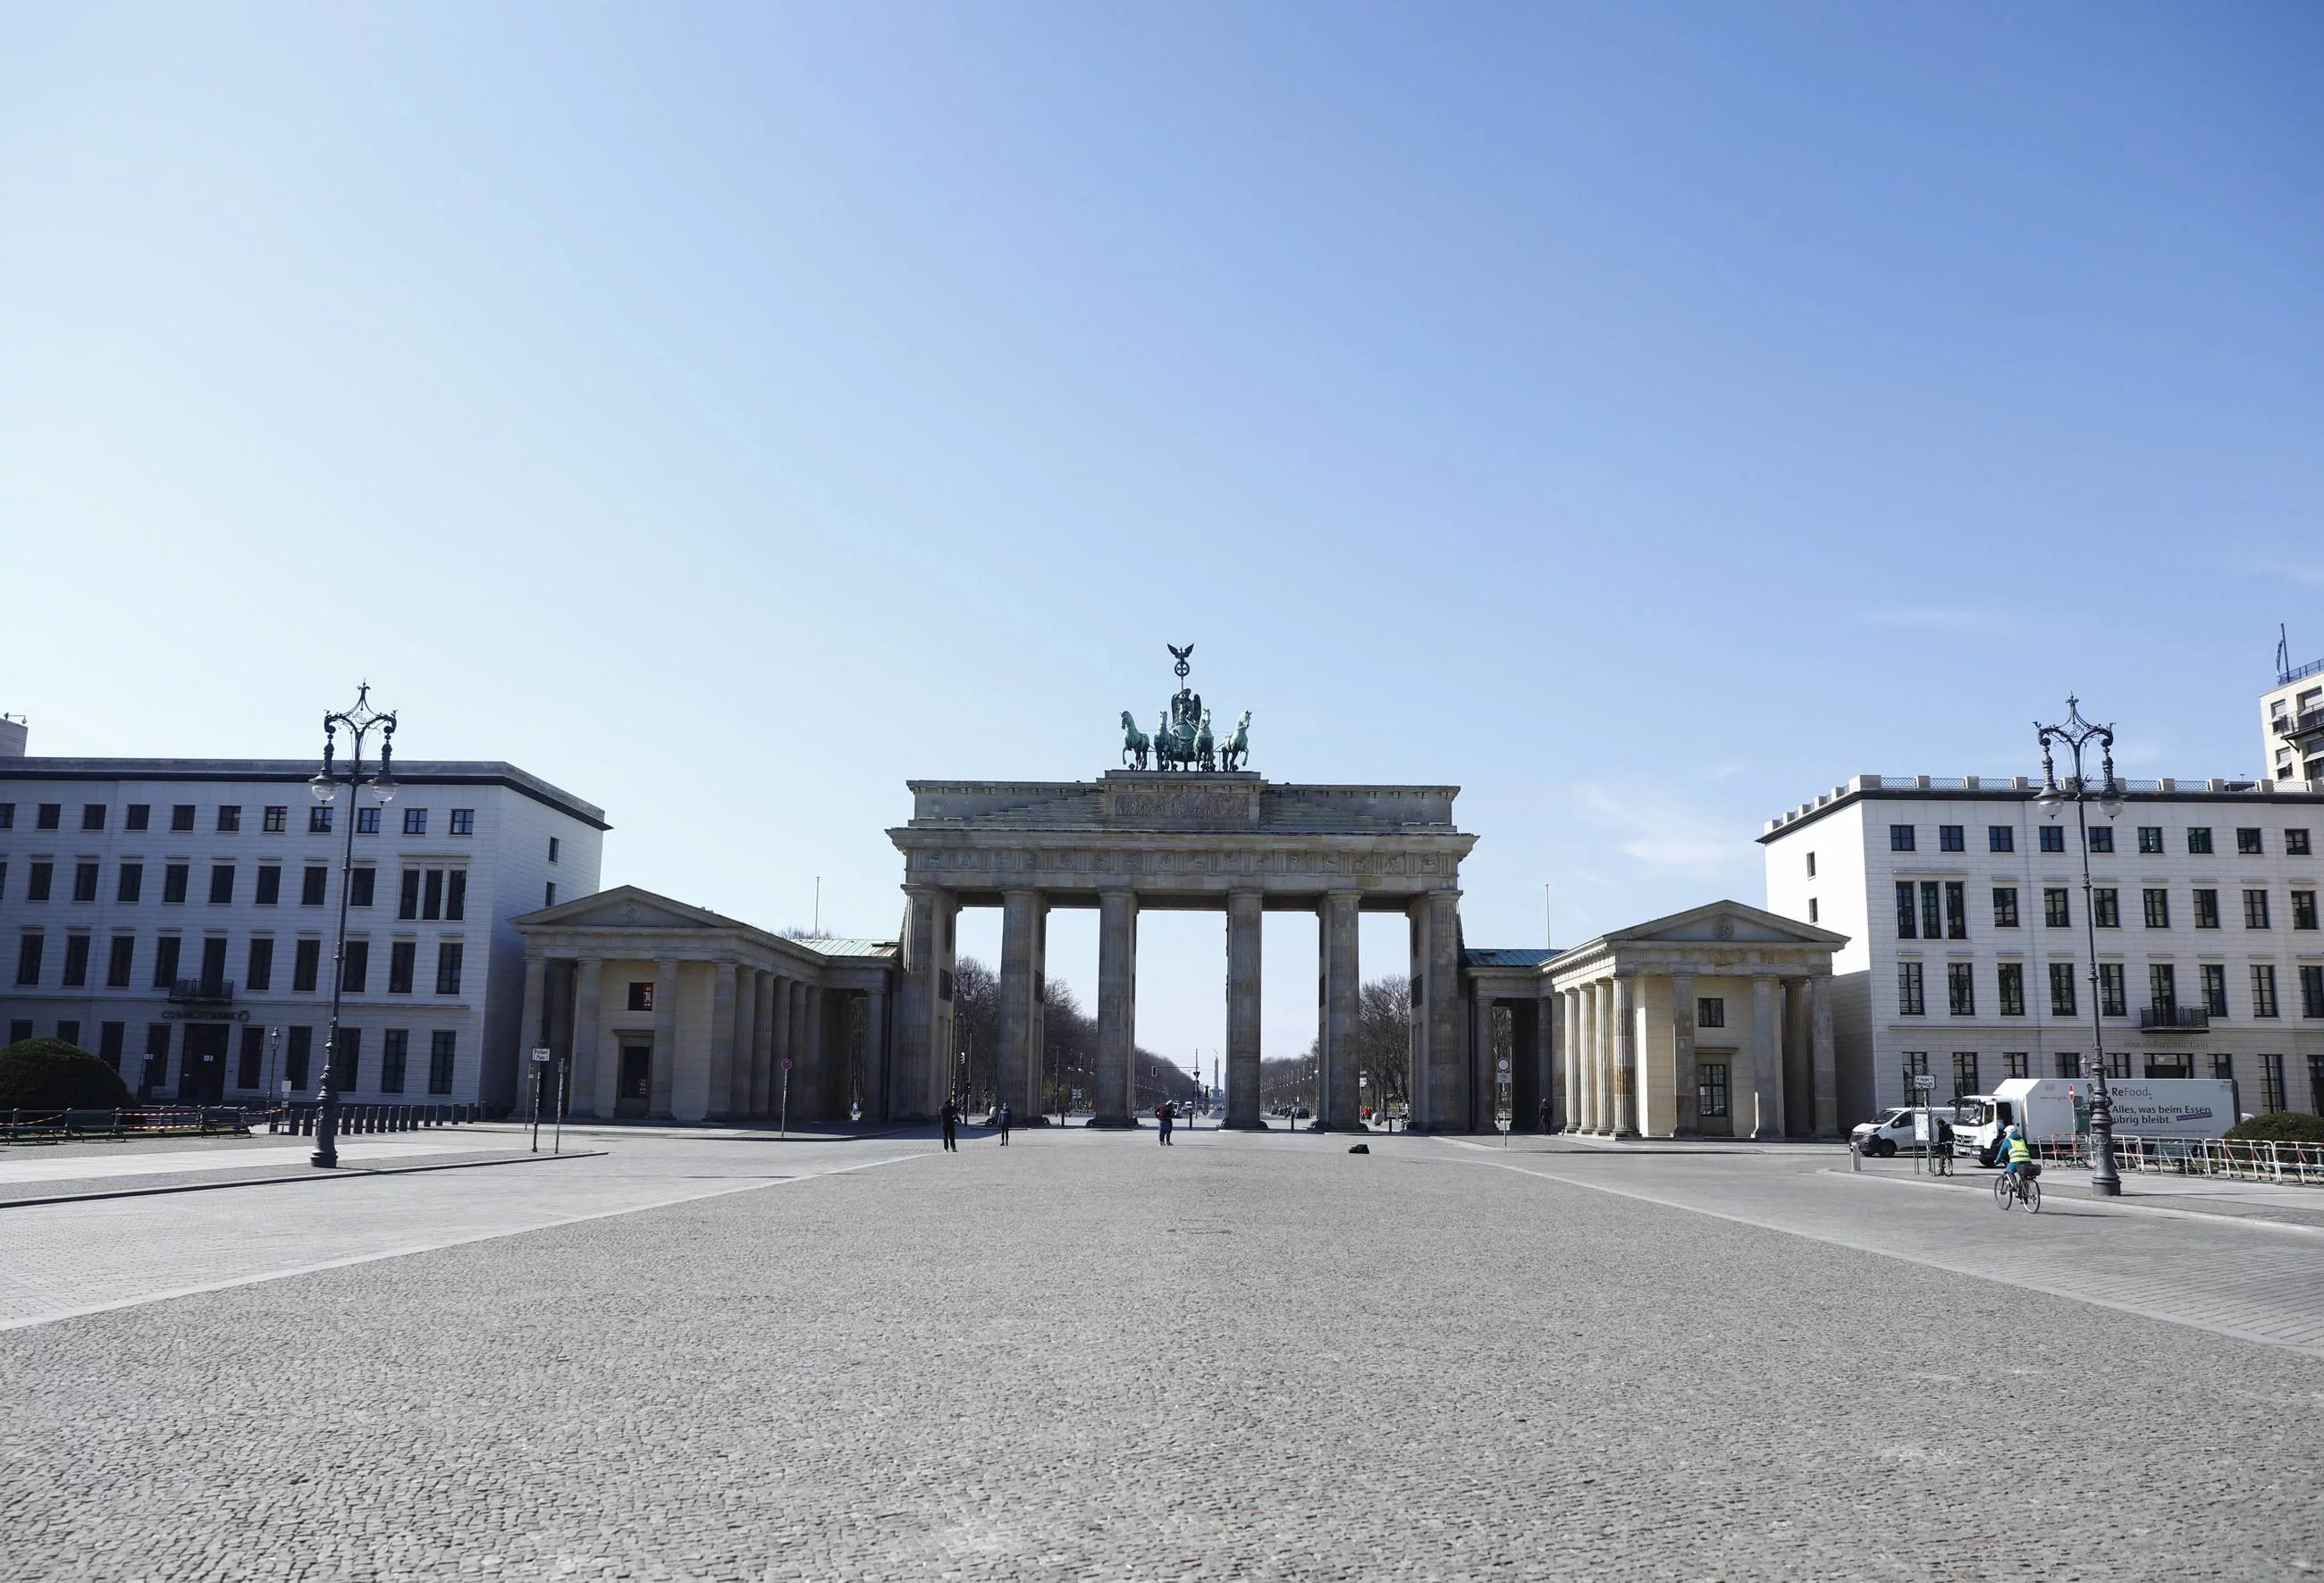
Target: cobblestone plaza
[719, 1355]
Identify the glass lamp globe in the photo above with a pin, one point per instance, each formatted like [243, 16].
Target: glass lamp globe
[2110, 803]
[323, 790]
[2051, 800]
[383, 789]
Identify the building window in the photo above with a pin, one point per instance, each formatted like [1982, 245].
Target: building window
[2214, 988]
[319, 819]
[121, 963]
[464, 822]
[407, 904]
[1964, 1073]
[1906, 928]
[110, 1037]
[394, 1045]
[92, 815]
[548, 898]
[431, 905]
[84, 882]
[2263, 990]
[270, 884]
[7, 816]
[1916, 1063]
[399, 957]
[173, 881]
[229, 818]
[1933, 917]
[366, 821]
[2158, 907]
[1950, 839]
[2170, 1063]
[2114, 991]
[1956, 910]
[182, 816]
[2311, 1000]
[258, 969]
[138, 816]
[311, 885]
[306, 965]
[1814, 913]
[2117, 1064]
[354, 967]
[2016, 1063]
[2005, 906]
[359, 886]
[2295, 845]
[2012, 986]
[157, 1057]
[2053, 838]
[2068, 1064]
[2000, 838]
[447, 967]
[2207, 909]
[2198, 840]
[165, 961]
[2254, 909]
[1900, 838]
[346, 1058]
[441, 1045]
[132, 883]
[51, 816]
[277, 819]
[295, 1056]
[2303, 909]
[415, 821]
[2271, 1083]
[641, 997]
[2149, 838]
[1960, 988]
[2106, 907]
[2223, 1067]
[250, 1070]
[2248, 844]
[2054, 912]
[76, 962]
[1909, 1000]
[456, 894]
[2162, 988]
[38, 879]
[1710, 1011]
[554, 843]
[1711, 1088]
[2101, 837]
[221, 884]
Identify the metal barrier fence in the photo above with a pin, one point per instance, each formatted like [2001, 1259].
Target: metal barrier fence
[2292, 1163]
[24, 1126]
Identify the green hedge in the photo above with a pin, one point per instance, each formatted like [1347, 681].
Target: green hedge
[48, 1074]
[2280, 1127]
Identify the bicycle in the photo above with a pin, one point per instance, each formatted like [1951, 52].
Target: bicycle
[2021, 1186]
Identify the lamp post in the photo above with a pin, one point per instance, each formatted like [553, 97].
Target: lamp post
[360, 721]
[2106, 1182]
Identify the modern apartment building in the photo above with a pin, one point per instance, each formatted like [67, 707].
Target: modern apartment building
[2291, 721]
[1968, 954]
[177, 916]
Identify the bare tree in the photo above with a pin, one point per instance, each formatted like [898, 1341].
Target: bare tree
[1384, 1036]
[976, 1031]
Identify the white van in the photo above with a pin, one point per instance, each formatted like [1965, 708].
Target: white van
[1900, 1128]
[2059, 1106]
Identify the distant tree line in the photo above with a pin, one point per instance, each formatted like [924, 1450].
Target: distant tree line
[1069, 1051]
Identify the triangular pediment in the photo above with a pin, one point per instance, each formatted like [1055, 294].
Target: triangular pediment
[1728, 923]
[625, 906]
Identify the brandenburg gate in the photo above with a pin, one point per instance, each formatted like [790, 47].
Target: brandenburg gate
[1137, 841]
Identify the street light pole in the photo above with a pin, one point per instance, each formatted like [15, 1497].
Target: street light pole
[360, 721]
[2105, 1180]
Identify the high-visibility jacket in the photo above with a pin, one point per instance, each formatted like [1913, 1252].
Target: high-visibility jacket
[2019, 1150]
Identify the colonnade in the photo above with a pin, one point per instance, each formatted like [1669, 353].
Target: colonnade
[1633, 1059]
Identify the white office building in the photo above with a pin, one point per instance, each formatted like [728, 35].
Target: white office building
[177, 916]
[2291, 721]
[1967, 953]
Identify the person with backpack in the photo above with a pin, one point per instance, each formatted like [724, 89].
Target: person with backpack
[1167, 1113]
[951, 1116]
[1004, 1125]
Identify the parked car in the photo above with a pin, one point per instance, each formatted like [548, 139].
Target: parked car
[1894, 1130]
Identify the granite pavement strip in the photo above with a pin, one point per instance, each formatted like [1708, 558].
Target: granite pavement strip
[1084, 1356]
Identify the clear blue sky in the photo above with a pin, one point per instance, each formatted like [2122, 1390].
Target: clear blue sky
[1640, 416]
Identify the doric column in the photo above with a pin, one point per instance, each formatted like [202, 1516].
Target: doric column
[811, 1083]
[1682, 1053]
[1627, 1099]
[1439, 1082]
[1570, 1032]
[717, 1065]
[1021, 1008]
[1602, 1052]
[1117, 1006]
[665, 1025]
[1339, 1011]
[923, 1069]
[875, 1055]
[778, 1016]
[790, 1073]
[746, 1035]
[1824, 1060]
[1767, 1061]
[1550, 1032]
[594, 1057]
[1243, 917]
[762, 1041]
[533, 1031]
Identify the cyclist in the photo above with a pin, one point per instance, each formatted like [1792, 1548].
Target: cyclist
[2019, 1152]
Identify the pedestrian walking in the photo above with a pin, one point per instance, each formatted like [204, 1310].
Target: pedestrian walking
[1548, 1114]
[1004, 1127]
[951, 1126]
[1167, 1113]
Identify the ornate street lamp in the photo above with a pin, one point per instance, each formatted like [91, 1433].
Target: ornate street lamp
[360, 721]
[2106, 1182]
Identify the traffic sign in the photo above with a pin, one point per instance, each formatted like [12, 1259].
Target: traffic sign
[541, 1056]
[1922, 1080]
[786, 1064]
[1505, 1063]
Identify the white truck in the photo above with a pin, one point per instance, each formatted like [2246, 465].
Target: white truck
[2059, 1106]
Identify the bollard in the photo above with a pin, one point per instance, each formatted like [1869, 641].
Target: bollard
[1855, 1157]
